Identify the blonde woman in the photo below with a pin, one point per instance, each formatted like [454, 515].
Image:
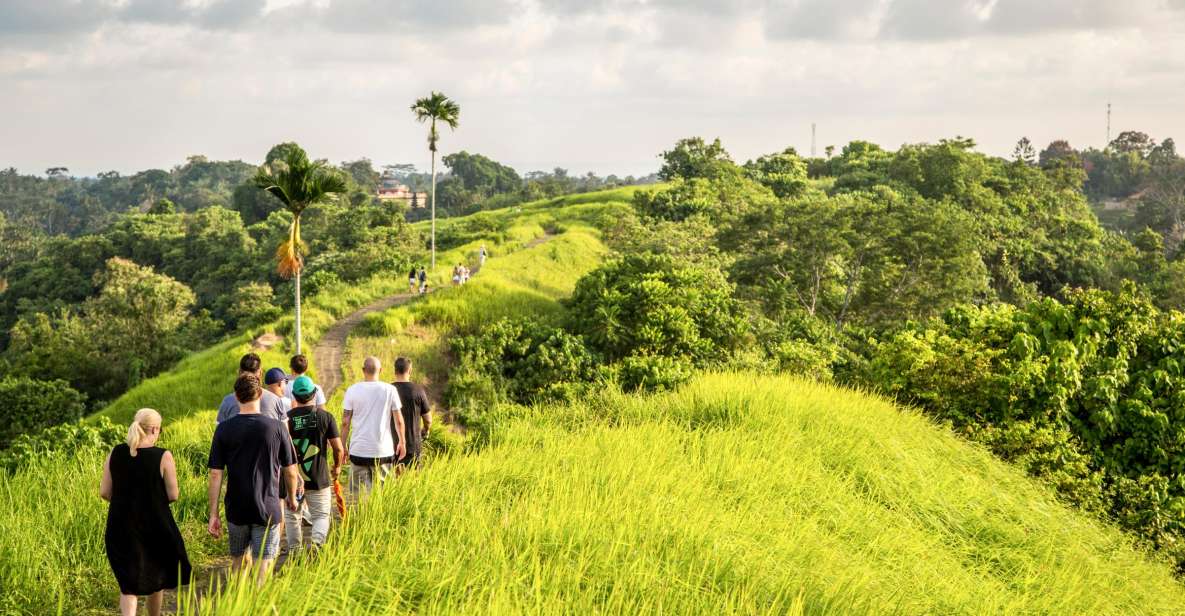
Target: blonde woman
[144, 545]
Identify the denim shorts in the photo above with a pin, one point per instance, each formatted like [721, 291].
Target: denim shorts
[264, 541]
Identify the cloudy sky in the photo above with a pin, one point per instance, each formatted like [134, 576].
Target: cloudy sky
[601, 85]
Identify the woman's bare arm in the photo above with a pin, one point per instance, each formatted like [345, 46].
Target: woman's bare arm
[105, 482]
[168, 470]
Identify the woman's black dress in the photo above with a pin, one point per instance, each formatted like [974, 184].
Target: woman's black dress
[144, 545]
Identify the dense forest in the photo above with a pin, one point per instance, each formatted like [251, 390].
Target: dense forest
[106, 281]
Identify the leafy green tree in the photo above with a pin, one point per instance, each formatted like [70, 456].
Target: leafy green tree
[164, 206]
[298, 183]
[695, 158]
[32, 405]
[1024, 152]
[434, 108]
[137, 325]
[872, 258]
[784, 173]
[653, 305]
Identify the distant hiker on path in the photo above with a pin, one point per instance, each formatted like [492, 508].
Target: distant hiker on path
[256, 453]
[270, 405]
[275, 380]
[367, 412]
[411, 281]
[300, 365]
[423, 281]
[313, 431]
[414, 406]
[457, 274]
[483, 256]
[144, 545]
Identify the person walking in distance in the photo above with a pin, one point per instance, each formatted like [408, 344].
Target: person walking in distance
[411, 281]
[368, 409]
[256, 453]
[144, 545]
[423, 281]
[416, 411]
[300, 366]
[482, 262]
[270, 405]
[314, 432]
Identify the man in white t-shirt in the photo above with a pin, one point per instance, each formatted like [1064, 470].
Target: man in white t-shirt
[368, 410]
[300, 365]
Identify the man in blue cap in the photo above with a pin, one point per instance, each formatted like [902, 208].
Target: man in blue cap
[276, 381]
[313, 431]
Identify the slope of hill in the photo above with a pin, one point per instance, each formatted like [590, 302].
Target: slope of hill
[737, 493]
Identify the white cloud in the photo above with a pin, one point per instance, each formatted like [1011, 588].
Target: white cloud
[602, 85]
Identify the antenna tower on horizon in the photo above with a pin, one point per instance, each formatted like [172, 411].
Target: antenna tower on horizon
[1108, 126]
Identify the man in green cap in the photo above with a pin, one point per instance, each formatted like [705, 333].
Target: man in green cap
[313, 431]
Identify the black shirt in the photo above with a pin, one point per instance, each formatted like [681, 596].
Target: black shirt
[252, 449]
[311, 428]
[414, 404]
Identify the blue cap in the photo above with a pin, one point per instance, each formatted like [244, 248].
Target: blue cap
[273, 376]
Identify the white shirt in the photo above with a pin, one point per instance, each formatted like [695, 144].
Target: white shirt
[372, 403]
[318, 396]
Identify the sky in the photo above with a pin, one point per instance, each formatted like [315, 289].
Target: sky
[588, 85]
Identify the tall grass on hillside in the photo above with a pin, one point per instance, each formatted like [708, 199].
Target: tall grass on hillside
[521, 284]
[51, 541]
[737, 494]
[52, 557]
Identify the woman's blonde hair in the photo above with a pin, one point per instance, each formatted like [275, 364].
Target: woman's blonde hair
[136, 432]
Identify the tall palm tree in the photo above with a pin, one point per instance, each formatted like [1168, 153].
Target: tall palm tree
[298, 183]
[435, 108]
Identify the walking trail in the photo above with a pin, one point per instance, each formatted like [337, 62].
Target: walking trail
[327, 357]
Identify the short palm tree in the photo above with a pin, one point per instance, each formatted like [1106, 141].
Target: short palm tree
[435, 108]
[298, 183]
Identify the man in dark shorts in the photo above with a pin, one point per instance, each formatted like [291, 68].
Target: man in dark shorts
[314, 431]
[255, 452]
[415, 405]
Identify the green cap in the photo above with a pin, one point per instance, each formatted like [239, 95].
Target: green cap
[303, 386]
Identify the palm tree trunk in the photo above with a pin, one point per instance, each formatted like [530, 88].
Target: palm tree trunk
[298, 312]
[434, 209]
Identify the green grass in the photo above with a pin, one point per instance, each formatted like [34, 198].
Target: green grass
[736, 494]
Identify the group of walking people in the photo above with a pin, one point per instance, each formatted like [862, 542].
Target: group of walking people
[278, 452]
[417, 278]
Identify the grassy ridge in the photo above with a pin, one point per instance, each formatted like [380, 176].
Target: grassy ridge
[742, 493]
[51, 544]
[737, 494]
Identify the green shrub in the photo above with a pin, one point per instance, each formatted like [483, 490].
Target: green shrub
[657, 305]
[1087, 394]
[31, 405]
[519, 361]
[30, 448]
[651, 372]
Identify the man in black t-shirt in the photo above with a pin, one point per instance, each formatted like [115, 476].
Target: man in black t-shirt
[415, 406]
[313, 431]
[253, 450]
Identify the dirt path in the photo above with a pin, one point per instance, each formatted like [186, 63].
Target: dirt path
[327, 353]
[327, 357]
